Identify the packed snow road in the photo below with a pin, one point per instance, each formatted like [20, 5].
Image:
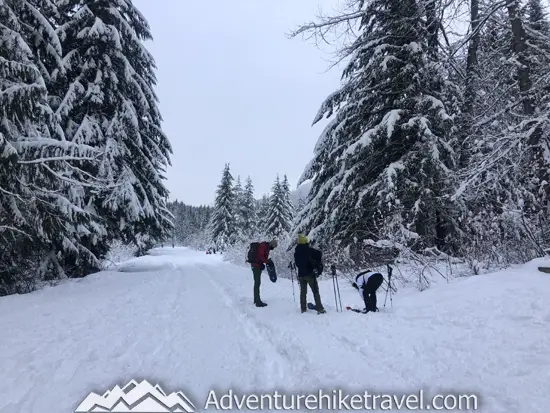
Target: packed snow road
[185, 320]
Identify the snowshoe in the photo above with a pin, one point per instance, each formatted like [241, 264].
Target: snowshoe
[312, 306]
[271, 271]
[356, 310]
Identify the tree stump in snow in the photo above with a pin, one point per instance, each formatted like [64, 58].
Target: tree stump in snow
[545, 269]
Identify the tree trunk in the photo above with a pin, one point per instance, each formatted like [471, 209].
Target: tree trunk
[521, 51]
[470, 89]
[520, 48]
[432, 25]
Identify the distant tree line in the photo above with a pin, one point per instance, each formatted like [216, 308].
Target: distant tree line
[190, 224]
[238, 217]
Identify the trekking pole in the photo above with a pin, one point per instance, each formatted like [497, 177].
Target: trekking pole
[336, 287]
[389, 289]
[292, 278]
[333, 269]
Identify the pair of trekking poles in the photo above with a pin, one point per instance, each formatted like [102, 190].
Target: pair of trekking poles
[335, 285]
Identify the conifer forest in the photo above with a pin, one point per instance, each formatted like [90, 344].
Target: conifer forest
[437, 144]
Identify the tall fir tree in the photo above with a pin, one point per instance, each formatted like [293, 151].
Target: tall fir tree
[383, 165]
[238, 192]
[288, 206]
[248, 210]
[43, 216]
[106, 100]
[278, 218]
[223, 224]
[262, 206]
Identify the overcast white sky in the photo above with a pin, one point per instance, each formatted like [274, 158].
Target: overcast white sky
[233, 88]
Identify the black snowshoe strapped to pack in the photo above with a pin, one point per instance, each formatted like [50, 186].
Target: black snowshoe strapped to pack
[251, 256]
[271, 271]
[316, 257]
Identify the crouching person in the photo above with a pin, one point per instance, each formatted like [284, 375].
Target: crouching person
[367, 283]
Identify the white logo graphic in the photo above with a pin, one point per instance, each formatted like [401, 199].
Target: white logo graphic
[136, 397]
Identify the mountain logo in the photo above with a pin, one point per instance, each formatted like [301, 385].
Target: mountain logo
[136, 397]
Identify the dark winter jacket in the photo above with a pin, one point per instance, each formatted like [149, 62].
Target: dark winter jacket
[302, 259]
[262, 255]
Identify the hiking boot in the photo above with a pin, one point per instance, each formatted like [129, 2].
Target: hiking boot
[321, 311]
[303, 311]
[261, 304]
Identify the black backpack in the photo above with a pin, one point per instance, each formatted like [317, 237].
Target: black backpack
[316, 258]
[252, 257]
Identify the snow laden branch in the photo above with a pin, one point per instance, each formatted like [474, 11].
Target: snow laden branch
[57, 159]
[4, 228]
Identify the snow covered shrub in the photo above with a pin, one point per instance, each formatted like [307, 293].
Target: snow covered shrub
[119, 252]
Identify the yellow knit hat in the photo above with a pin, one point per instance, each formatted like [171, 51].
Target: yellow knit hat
[302, 239]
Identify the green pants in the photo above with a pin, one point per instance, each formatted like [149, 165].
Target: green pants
[312, 282]
[257, 282]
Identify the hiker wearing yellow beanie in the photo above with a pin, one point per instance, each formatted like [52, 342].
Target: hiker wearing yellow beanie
[305, 258]
[302, 239]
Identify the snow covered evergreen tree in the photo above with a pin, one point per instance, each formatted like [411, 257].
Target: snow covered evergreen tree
[383, 165]
[223, 223]
[238, 192]
[279, 217]
[106, 100]
[248, 210]
[43, 216]
[262, 206]
[288, 206]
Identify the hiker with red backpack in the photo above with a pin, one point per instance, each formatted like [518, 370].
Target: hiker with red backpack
[258, 257]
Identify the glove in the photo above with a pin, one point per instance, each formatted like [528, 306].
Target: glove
[262, 267]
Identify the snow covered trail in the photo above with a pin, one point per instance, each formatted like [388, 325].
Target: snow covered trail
[168, 326]
[485, 335]
[185, 319]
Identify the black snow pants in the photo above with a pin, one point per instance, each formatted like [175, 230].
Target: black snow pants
[369, 291]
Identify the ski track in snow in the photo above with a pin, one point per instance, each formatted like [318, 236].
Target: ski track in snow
[287, 362]
[186, 321]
